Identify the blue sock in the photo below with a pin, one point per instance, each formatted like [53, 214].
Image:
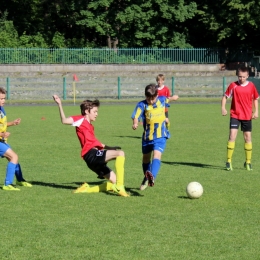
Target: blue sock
[10, 171]
[156, 164]
[18, 172]
[146, 167]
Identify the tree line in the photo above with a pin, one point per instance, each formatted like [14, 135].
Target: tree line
[130, 24]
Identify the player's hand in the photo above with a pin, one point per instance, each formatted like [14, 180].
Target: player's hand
[255, 115]
[112, 147]
[56, 99]
[17, 121]
[135, 126]
[5, 134]
[224, 112]
[174, 97]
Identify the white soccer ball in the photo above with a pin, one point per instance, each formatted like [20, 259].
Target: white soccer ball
[194, 190]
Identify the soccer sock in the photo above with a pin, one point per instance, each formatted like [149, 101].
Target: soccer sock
[146, 167]
[120, 161]
[168, 125]
[10, 171]
[248, 151]
[18, 173]
[105, 186]
[156, 163]
[230, 150]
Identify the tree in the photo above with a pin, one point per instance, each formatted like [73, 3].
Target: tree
[138, 23]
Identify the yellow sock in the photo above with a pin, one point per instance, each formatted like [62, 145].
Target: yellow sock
[120, 171]
[168, 125]
[248, 151]
[105, 186]
[230, 150]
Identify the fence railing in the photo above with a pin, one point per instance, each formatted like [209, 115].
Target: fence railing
[111, 56]
[113, 87]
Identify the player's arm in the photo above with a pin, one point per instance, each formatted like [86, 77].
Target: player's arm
[223, 105]
[255, 113]
[65, 120]
[135, 123]
[173, 98]
[15, 122]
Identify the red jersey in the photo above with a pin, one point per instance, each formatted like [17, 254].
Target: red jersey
[165, 92]
[86, 135]
[242, 99]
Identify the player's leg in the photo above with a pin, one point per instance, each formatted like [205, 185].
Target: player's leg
[12, 157]
[234, 125]
[146, 167]
[19, 177]
[159, 147]
[118, 187]
[246, 127]
[96, 162]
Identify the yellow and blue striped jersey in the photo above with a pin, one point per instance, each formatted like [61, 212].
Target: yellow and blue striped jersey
[153, 117]
[3, 121]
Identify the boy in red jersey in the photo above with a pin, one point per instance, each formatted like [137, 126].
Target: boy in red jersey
[244, 108]
[165, 92]
[95, 154]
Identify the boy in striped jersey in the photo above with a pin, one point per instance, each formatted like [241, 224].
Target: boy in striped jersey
[152, 112]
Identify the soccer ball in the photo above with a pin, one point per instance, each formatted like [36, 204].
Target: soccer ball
[194, 190]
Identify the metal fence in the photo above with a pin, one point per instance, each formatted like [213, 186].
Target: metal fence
[37, 88]
[111, 56]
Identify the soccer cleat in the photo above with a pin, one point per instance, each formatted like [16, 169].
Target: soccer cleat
[144, 184]
[24, 184]
[120, 190]
[10, 188]
[82, 189]
[248, 166]
[150, 178]
[229, 166]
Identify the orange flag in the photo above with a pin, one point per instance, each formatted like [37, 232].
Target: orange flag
[75, 78]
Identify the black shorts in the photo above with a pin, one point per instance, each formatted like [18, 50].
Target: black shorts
[246, 125]
[95, 160]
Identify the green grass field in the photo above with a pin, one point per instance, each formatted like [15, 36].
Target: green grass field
[48, 221]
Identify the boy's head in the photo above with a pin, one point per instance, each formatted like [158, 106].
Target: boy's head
[2, 96]
[160, 80]
[87, 105]
[243, 74]
[151, 93]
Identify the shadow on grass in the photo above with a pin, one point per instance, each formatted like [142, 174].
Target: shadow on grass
[132, 191]
[184, 197]
[129, 136]
[200, 165]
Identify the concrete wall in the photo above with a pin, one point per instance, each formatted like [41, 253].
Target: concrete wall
[109, 68]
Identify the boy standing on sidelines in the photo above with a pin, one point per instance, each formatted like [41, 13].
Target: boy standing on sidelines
[244, 108]
[152, 112]
[95, 154]
[13, 167]
[165, 92]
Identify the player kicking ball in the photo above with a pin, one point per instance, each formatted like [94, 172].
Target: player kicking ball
[95, 154]
[152, 112]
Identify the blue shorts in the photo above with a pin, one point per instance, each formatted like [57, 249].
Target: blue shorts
[157, 144]
[3, 148]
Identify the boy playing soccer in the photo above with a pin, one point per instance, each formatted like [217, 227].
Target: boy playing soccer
[165, 91]
[244, 96]
[13, 167]
[95, 154]
[152, 112]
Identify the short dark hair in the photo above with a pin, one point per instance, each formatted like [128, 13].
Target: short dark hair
[2, 90]
[242, 69]
[151, 91]
[88, 105]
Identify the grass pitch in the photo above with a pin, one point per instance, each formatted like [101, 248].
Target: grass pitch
[48, 221]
